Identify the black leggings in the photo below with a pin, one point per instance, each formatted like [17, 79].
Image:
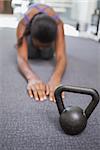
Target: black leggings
[34, 53]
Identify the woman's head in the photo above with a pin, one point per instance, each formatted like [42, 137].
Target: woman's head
[43, 28]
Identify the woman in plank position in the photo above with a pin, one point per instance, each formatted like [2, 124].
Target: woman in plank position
[40, 34]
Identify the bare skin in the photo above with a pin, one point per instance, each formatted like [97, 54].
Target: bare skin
[36, 87]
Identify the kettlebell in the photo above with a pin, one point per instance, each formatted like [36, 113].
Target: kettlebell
[73, 120]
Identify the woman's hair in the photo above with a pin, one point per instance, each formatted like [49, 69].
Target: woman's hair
[41, 27]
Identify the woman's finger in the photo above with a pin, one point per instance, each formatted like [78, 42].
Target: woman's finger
[30, 93]
[63, 95]
[47, 90]
[40, 94]
[41, 91]
[51, 96]
[35, 93]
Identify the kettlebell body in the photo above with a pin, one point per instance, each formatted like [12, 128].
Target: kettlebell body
[73, 120]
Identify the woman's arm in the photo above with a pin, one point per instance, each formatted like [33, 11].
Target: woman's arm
[22, 54]
[35, 86]
[61, 62]
[61, 56]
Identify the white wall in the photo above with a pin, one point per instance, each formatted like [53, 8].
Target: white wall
[82, 11]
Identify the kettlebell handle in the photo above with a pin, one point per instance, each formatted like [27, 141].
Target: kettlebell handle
[75, 89]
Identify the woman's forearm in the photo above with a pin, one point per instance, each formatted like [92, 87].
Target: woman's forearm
[25, 69]
[59, 69]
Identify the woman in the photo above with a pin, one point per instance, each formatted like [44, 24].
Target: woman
[40, 34]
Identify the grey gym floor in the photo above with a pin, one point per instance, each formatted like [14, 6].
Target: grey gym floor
[29, 125]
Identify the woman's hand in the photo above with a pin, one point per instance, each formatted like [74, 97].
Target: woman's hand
[50, 88]
[36, 88]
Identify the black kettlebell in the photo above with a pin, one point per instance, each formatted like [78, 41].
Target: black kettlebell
[73, 120]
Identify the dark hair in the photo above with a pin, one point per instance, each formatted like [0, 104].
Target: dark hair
[41, 27]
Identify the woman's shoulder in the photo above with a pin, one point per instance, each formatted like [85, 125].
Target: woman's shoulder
[37, 8]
